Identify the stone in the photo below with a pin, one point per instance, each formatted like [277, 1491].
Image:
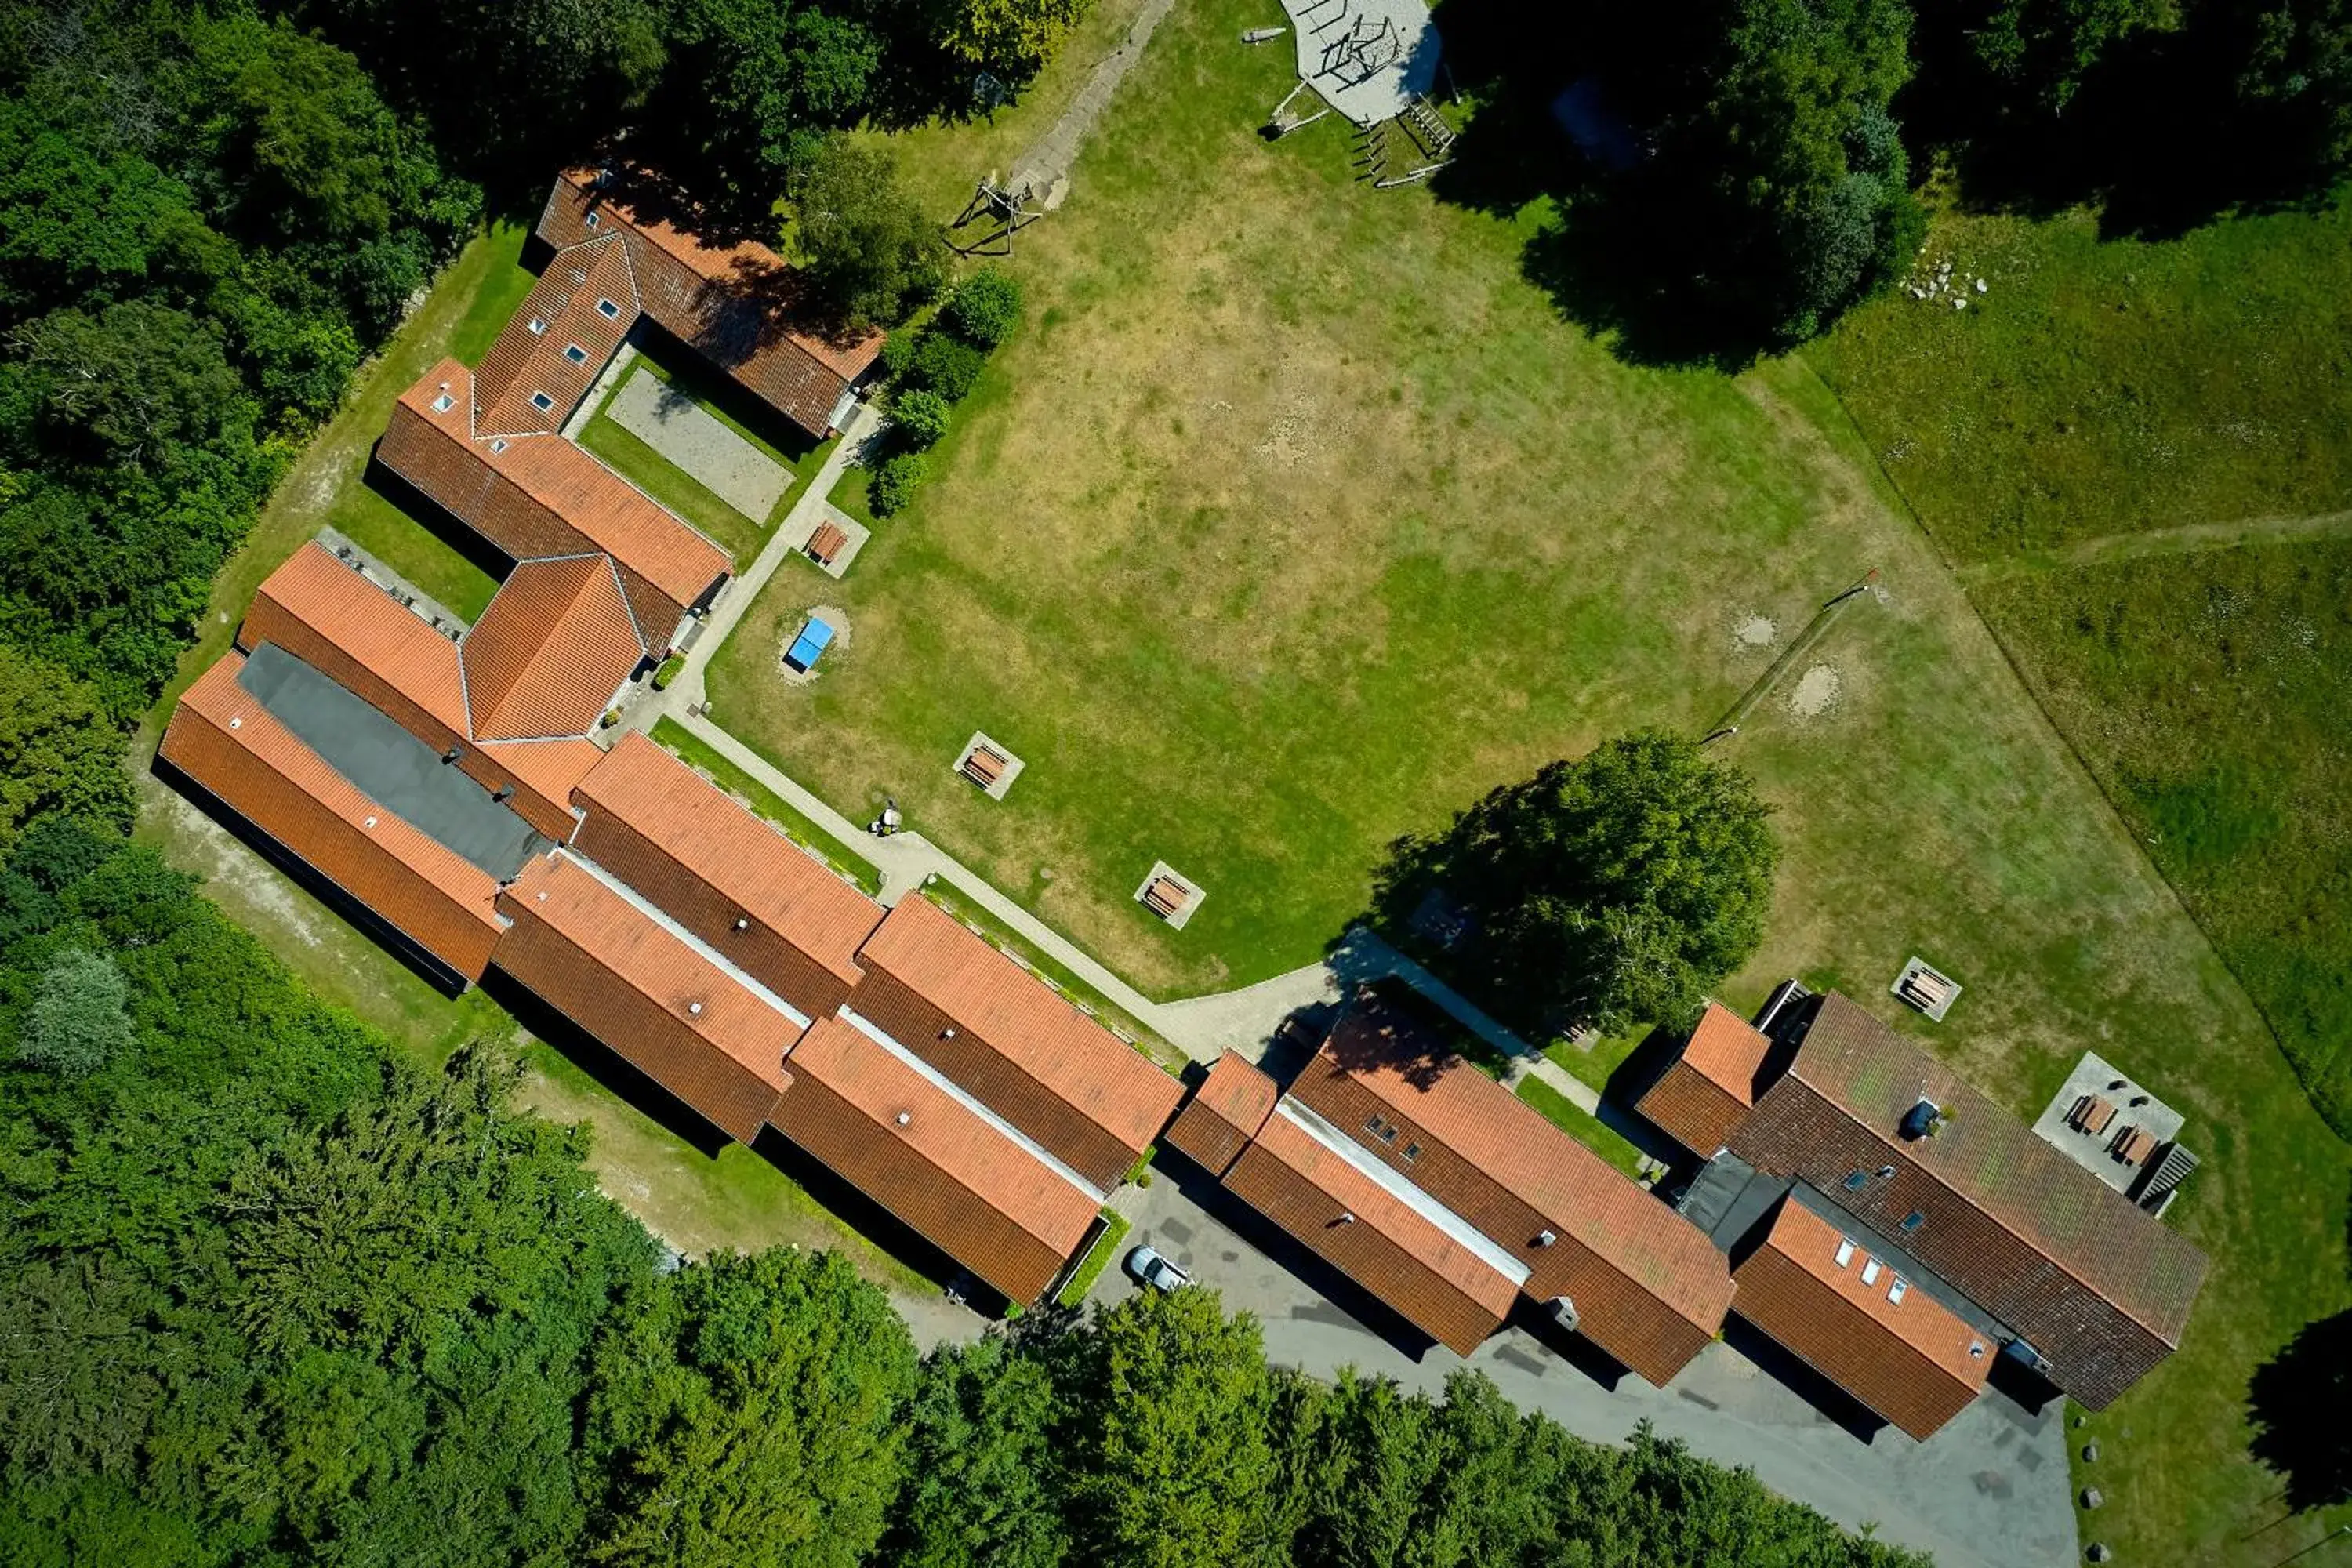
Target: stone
[1981, 284]
[2092, 1496]
[2091, 1452]
[2098, 1551]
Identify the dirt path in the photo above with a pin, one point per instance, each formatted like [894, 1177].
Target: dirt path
[2190, 538]
[1046, 164]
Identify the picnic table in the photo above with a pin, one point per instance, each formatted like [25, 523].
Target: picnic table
[826, 542]
[1166, 896]
[983, 767]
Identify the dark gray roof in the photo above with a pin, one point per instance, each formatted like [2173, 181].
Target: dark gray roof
[388, 764]
[1728, 1198]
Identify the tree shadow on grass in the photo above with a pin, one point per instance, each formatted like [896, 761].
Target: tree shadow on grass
[2295, 1401]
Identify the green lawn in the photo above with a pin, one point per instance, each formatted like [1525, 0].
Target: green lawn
[2107, 387]
[635, 461]
[1580, 1124]
[1295, 518]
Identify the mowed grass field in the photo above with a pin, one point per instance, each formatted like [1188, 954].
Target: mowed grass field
[2140, 454]
[1294, 517]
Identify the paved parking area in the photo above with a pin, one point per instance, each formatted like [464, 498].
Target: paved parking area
[681, 430]
[1988, 1491]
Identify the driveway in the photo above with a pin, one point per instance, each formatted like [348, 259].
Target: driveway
[1989, 1490]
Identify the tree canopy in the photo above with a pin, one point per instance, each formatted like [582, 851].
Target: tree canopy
[1616, 889]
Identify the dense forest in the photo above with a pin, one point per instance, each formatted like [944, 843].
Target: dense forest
[270, 1295]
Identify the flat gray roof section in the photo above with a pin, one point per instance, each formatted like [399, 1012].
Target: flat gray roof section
[388, 764]
[1728, 1198]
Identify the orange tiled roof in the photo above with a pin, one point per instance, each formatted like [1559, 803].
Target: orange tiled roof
[222, 737]
[600, 509]
[1070, 1056]
[1912, 1361]
[548, 769]
[558, 341]
[1493, 1130]
[546, 655]
[612, 969]
[332, 604]
[743, 859]
[943, 1134]
[736, 305]
[1726, 1050]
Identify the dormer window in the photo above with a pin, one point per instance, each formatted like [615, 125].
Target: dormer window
[537, 325]
[609, 310]
[541, 402]
[575, 353]
[443, 404]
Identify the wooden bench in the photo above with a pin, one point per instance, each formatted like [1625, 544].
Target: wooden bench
[1166, 897]
[983, 767]
[1929, 992]
[826, 542]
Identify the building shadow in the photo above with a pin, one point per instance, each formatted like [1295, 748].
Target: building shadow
[692, 374]
[448, 982]
[1348, 1302]
[435, 519]
[613, 1071]
[1829, 1402]
[856, 1211]
[1573, 1349]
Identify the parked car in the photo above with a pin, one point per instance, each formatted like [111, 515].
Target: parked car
[1149, 1268]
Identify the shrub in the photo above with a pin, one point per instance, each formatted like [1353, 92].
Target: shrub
[921, 417]
[668, 671]
[947, 365]
[985, 308]
[898, 354]
[893, 485]
[80, 1020]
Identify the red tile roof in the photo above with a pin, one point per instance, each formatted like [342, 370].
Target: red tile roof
[997, 1003]
[548, 654]
[604, 962]
[735, 304]
[1703, 1093]
[222, 737]
[546, 771]
[1223, 1114]
[543, 495]
[1911, 1361]
[962, 1183]
[1493, 1131]
[563, 305]
[328, 616]
[710, 863]
[1396, 1252]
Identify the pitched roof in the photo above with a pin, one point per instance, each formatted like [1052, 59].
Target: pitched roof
[1991, 1161]
[646, 990]
[548, 769]
[1489, 1127]
[1224, 1113]
[737, 305]
[223, 737]
[554, 644]
[996, 1000]
[557, 343]
[707, 837]
[1387, 1207]
[1728, 1051]
[943, 1134]
[1908, 1358]
[608, 513]
[357, 619]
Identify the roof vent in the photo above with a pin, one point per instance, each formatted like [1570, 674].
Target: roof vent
[904, 1117]
[503, 792]
[450, 755]
[1924, 1120]
[742, 922]
[1563, 1312]
[947, 1034]
[1544, 1239]
[1347, 1216]
[695, 1008]
[369, 823]
[237, 723]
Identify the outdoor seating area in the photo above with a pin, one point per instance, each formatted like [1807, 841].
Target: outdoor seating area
[825, 545]
[989, 767]
[1172, 897]
[2119, 1132]
[1926, 988]
[833, 539]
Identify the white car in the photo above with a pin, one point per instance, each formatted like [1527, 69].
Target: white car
[1149, 1268]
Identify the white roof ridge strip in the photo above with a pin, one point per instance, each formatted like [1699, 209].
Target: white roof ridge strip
[955, 1091]
[1460, 1231]
[700, 948]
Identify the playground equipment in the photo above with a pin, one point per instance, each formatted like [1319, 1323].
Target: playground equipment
[1005, 206]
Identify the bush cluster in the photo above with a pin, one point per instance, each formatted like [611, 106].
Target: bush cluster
[933, 370]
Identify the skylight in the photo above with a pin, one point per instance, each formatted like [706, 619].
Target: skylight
[537, 325]
[1844, 1252]
[541, 402]
[1870, 1270]
[608, 309]
[443, 404]
[1897, 1291]
[575, 353]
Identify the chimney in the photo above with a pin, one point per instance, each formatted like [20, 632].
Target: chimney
[1924, 1120]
